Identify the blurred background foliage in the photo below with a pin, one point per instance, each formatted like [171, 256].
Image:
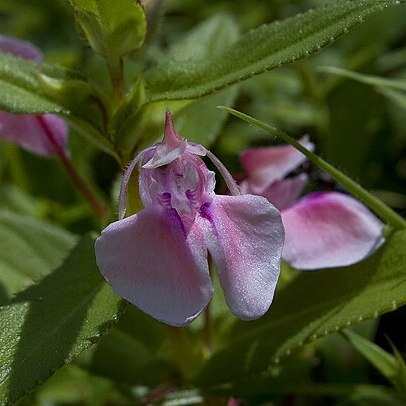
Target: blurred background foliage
[358, 127]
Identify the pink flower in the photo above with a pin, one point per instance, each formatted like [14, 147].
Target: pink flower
[157, 258]
[42, 134]
[324, 229]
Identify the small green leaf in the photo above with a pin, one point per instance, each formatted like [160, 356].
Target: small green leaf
[392, 367]
[313, 305]
[262, 49]
[398, 97]
[47, 325]
[384, 362]
[113, 29]
[364, 78]
[30, 250]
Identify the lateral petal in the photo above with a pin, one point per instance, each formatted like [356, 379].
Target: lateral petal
[329, 229]
[148, 259]
[281, 193]
[245, 237]
[266, 165]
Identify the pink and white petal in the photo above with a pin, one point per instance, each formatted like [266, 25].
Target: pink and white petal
[266, 165]
[283, 193]
[17, 47]
[148, 260]
[244, 236]
[330, 229]
[27, 131]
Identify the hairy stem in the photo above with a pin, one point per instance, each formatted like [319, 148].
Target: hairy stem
[77, 180]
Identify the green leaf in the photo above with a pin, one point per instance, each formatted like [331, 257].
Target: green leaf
[262, 49]
[113, 29]
[20, 87]
[47, 325]
[29, 87]
[207, 39]
[313, 305]
[384, 362]
[398, 97]
[30, 249]
[392, 367]
[19, 100]
[364, 78]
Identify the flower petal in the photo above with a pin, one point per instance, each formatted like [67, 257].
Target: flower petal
[27, 131]
[281, 193]
[329, 229]
[245, 239]
[267, 164]
[148, 260]
[17, 47]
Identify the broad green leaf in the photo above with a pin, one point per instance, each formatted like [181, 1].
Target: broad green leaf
[47, 325]
[113, 29]
[19, 100]
[207, 39]
[313, 305]
[30, 249]
[262, 49]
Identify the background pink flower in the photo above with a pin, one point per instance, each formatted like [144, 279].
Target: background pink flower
[40, 134]
[323, 230]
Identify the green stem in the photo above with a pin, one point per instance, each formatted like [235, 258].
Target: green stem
[379, 207]
[117, 82]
